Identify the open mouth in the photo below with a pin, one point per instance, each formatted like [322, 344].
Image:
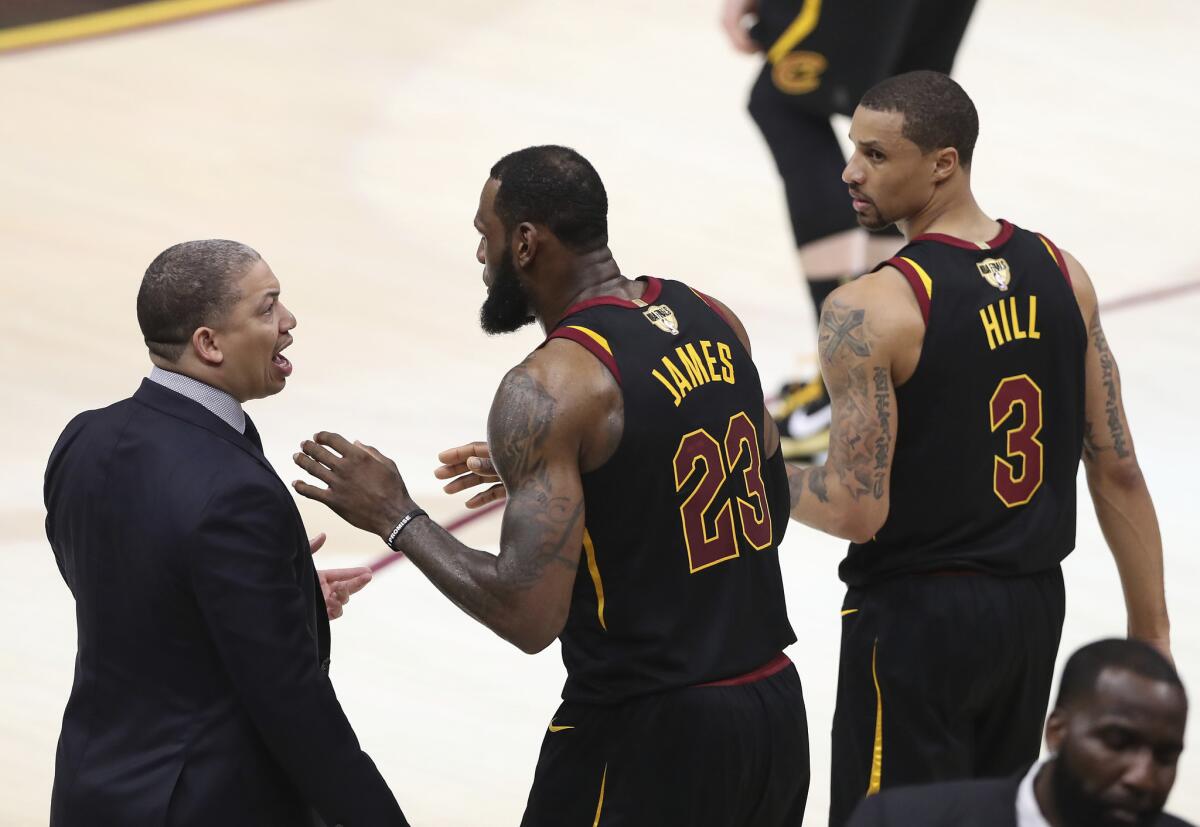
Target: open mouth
[281, 362]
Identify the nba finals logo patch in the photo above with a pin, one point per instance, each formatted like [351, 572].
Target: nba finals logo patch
[663, 318]
[995, 272]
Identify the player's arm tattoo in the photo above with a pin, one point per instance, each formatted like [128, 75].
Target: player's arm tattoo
[860, 441]
[1114, 418]
[540, 522]
[812, 479]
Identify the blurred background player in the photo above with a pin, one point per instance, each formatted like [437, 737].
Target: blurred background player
[646, 501]
[820, 59]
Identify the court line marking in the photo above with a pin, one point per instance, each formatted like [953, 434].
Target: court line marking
[114, 21]
[1112, 305]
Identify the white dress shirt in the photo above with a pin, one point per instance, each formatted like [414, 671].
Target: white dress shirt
[1029, 814]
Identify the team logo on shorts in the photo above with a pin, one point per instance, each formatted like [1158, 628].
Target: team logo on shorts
[798, 73]
[995, 272]
[663, 318]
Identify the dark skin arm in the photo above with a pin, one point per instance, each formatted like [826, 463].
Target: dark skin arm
[548, 417]
[1119, 492]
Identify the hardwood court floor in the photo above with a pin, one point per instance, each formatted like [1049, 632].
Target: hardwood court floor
[348, 141]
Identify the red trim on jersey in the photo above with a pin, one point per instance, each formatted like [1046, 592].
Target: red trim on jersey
[720, 311]
[649, 296]
[914, 281]
[1006, 231]
[581, 338]
[1059, 259]
[771, 667]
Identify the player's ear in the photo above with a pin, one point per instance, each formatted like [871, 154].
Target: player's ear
[525, 245]
[1056, 730]
[945, 161]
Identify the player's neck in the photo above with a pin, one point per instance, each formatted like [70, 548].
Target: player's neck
[956, 215]
[593, 275]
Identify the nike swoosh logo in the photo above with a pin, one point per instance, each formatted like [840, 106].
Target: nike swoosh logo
[554, 728]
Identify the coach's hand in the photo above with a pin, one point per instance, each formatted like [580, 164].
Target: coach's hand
[468, 466]
[338, 584]
[363, 486]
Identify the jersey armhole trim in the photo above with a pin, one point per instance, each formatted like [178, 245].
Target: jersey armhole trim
[918, 280]
[592, 341]
[716, 308]
[1058, 257]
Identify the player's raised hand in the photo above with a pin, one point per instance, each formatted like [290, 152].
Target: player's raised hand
[467, 466]
[733, 14]
[362, 485]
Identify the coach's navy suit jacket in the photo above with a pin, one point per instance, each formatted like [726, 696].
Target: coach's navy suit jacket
[201, 695]
[977, 803]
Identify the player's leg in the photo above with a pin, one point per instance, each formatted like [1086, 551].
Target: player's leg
[569, 782]
[903, 685]
[934, 33]
[784, 734]
[1009, 734]
[709, 756]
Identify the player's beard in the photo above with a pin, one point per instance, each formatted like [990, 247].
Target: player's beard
[1079, 808]
[506, 307]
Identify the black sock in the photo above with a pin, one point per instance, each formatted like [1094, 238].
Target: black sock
[821, 289]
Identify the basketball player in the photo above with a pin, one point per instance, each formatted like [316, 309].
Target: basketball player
[646, 500]
[967, 374]
[818, 61]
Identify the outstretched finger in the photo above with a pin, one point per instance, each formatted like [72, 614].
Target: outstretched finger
[305, 489]
[315, 543]
[445, 472]
[354, 578]
[335, 441]
[459, 454]
[494, 494]
[317, 469]
[464, 482]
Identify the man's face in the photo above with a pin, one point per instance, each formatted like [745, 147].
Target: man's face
[507, 306]
[889, 178]
[252, 335]
[1117, 751]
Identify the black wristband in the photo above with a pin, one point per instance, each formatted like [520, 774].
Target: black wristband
[404, 521]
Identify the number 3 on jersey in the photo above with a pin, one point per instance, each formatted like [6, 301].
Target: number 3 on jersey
[700, 453]
[1014, 490]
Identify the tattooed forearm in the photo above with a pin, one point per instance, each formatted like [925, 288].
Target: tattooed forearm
[1112, 401]
[851, 438]
[1091, 449]
[811, 478]
[883, 442]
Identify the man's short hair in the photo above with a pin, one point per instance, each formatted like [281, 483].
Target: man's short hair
[937, 112]
[1084, 667]
[187, 286]
[554, 186]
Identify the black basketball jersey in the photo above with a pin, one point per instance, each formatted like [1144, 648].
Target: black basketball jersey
[679, 580]
[990, 426]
